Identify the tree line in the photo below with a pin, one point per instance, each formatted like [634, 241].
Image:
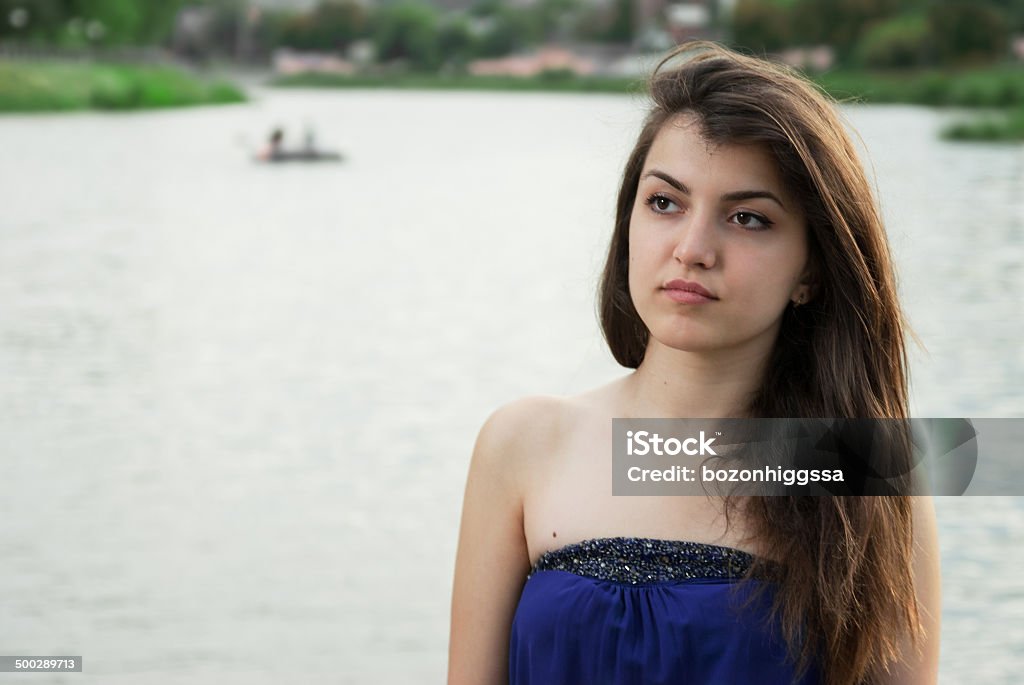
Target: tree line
[409, 30]
[76, 23]
[866, 33]
[884, 33]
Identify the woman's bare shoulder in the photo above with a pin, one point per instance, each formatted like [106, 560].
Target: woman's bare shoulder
[540, 424]
[531, 421]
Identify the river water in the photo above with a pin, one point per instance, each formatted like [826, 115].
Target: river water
[238, 401]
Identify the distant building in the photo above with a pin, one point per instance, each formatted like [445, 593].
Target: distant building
[288, 62]
[545, 59]
[679, 20]
[689, 20]
[813, 58]
[1017, 46]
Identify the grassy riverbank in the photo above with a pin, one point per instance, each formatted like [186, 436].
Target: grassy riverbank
[551, 81]
[1007, 126]
[991, 87]
[44, 87]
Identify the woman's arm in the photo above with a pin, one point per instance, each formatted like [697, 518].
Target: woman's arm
[492, 559]
[923, 668]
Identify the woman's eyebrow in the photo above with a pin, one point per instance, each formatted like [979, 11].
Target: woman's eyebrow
[728, 197]
[753, 194]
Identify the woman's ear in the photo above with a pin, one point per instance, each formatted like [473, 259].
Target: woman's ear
[807, 287]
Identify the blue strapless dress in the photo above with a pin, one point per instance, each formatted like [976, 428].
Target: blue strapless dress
[624, 611]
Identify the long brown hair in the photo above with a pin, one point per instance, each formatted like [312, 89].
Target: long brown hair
[844, 584]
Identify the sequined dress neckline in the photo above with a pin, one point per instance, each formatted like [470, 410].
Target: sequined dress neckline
[647, 610]
[646, 560]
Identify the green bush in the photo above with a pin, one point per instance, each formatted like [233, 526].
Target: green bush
[54, 87]
[407, 32]
[899, 42]
[968, 31]
[557, 75]
[987, 89]
[931, 89]
[993, 87]
[1008, 127]
[114, 91]
[224, 93]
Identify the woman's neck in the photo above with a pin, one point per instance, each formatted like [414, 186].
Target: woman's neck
[675, 383]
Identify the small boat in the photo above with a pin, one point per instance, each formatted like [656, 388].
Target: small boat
[274, 151]
[300, 156]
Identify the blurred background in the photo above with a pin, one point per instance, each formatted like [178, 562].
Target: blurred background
[241, 374]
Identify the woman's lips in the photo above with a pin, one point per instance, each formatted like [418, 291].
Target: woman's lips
[686, 296]
[687, 292]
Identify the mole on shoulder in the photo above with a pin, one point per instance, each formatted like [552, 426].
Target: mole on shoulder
[554, 534]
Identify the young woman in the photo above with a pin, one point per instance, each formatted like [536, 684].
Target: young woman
[748, 276]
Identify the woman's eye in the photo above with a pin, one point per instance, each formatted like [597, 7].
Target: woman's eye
[754, 222]
[661, 204]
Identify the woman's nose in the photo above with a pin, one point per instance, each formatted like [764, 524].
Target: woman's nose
[697, 241]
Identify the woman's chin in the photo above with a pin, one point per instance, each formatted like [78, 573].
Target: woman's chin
[689, 343]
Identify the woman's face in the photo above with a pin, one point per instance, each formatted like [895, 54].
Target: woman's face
[717, 221]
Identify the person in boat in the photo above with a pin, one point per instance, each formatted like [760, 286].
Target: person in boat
[275, 151]
[748, 275]
[274, 148]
